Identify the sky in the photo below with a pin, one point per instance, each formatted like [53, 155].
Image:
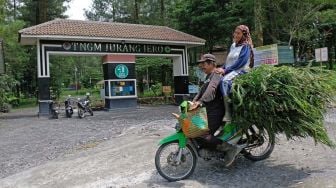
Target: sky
[75, 11]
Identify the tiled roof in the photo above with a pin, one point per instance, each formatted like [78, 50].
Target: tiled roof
[109, 30]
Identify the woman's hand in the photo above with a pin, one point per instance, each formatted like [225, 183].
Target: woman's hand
[219, 70]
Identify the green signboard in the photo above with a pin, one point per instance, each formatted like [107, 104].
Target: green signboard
[286, 54]
[121, 71]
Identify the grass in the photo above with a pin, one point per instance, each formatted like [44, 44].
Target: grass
[26, 103]
[94, 94]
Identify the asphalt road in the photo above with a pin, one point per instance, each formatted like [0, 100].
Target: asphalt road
[114, 149]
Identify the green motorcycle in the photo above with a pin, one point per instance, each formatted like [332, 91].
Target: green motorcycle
[177, 155]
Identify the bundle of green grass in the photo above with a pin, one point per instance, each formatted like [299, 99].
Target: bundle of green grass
[286, 100]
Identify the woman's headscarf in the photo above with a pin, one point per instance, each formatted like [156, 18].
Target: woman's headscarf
[246, 39]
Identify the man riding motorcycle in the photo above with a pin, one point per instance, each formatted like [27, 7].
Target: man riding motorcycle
[211, 97]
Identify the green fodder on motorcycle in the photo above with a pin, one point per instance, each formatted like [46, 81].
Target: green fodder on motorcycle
[285, 100]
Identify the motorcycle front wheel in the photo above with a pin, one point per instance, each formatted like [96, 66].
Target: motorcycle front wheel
[174, 163]
[80, 113]
[261, 144]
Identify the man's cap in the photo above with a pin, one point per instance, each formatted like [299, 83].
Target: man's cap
[206, 57]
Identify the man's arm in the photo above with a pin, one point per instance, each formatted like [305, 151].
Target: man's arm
[210, 92]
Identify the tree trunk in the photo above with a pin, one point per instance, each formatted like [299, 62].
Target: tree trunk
[14, 11]
[136, 11]
[274, 31]
[258, 15]
[162, 12]
[42, 11]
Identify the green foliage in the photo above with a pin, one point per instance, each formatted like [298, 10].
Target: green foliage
[30, 10]
[202, 18]
[285, 100]
[87, 71]
[213, 20]
[7, 84]
[145, 62]
[151, 71]
[15, 55]
[154, 12]
[27, 102]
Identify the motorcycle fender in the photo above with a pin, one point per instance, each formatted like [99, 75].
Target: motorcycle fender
[179, 136]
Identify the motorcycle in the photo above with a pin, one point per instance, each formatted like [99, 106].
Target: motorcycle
[177, 155]
[84, 106]
[68, 107]
[52, 110]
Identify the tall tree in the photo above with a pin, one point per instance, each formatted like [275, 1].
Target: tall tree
[38, 11]
[105, 10]
[33, 12]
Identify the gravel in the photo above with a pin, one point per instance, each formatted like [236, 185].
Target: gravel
[114, 149]
[27, 141]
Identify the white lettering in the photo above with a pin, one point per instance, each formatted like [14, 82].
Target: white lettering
[97, 47]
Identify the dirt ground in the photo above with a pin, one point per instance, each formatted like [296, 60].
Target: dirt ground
[111, 149]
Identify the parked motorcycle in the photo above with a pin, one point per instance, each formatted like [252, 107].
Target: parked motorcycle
[84, 106]
[52, 110]
[177, 155]
[68, 107]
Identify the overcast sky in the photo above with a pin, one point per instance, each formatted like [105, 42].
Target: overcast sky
[75, 11]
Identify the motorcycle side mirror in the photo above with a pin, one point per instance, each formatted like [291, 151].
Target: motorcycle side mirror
[87, 94]
[69, 96]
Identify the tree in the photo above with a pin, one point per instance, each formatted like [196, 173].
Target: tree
[153, 12]
[15, 55]
[150, 69]
[104, 10]
[38, 11]
[210, 19]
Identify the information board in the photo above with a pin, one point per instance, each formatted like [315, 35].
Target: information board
[266, 55]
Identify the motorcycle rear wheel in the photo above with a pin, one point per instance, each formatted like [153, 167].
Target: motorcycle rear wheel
[90, 111]
[68, 114]
[263, 148]
[167, 165]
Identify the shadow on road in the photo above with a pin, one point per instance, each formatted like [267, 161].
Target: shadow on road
[243, 173]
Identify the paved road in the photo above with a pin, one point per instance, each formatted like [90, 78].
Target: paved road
[117, 150]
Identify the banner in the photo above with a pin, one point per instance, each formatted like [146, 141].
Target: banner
[266, 55]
